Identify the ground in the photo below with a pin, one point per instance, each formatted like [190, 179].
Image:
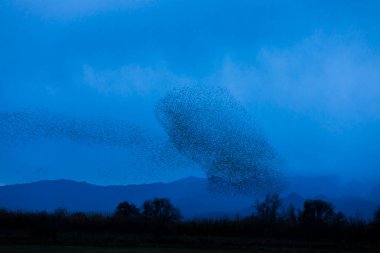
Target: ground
[81, 249]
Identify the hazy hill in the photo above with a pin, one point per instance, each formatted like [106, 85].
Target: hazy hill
[191, 195]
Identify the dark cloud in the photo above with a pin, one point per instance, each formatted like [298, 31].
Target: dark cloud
[209, 127]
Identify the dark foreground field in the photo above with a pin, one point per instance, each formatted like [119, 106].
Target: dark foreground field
[178, 249]
[111, 243]
[159, 228]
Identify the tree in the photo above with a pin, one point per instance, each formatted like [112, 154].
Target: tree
[127, 210]
[60, 212]
[289, 214]
[340, 219]
[317, 212]
[268, 209]
[160, 209]
[376, 216]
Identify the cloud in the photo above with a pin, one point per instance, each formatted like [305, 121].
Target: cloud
[317, 101]
[327, 78]
[324, 77]
[332, 77]
[132, 79]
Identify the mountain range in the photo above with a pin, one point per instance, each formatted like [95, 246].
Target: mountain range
[191, 195]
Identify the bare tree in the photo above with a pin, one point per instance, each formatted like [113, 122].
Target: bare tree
[376, 216]
[268, 209]
[317, 211]
[160, 209]
[127, 210]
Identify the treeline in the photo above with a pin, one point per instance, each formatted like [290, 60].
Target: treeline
[158, 218]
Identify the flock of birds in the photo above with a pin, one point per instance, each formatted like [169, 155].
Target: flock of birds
[204, 125]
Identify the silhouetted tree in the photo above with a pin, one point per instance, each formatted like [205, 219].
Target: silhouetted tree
[376, 216]
[289, 214]
[317, 211]
[340, 219]
[127, 210]
[60, 212]
[268, 209]
[160, 209]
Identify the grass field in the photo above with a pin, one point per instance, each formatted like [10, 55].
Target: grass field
[73, 249]
[81, 249]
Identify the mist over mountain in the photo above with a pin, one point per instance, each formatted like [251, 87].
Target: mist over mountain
[190, 194]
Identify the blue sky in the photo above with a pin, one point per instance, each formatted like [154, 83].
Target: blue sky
[307, 71]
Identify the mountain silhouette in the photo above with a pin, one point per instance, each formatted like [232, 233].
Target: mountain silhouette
[190, 194]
